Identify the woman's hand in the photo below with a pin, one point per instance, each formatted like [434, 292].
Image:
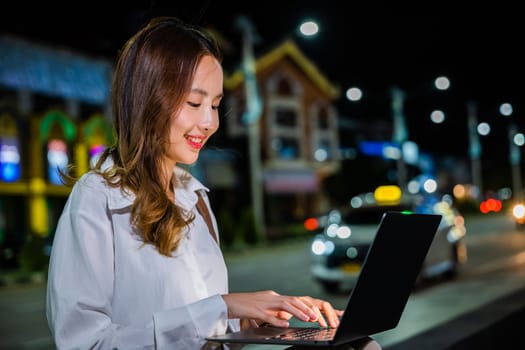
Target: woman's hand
[271, 307]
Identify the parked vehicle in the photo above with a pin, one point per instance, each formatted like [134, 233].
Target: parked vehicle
[343, 236]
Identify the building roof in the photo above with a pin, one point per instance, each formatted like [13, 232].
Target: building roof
[290, 49]
[54, 72]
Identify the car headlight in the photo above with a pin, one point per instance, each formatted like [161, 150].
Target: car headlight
[343, 232]
[456, 232]
[340, 231]
[322, 247]
[518, 211]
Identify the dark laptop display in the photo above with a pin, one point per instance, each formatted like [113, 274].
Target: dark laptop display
[380, 294]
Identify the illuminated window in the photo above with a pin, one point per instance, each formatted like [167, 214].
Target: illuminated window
[285, 118]
[286, 148]
[57, 160]
[324, 134]
[9, 159]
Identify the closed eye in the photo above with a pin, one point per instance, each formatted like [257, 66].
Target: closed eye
[194, 105]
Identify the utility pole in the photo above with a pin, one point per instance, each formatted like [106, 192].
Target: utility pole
[251, 118]
[515, 163]
[475, 148]
[400, 133]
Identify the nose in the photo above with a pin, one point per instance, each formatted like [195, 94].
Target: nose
[209, 121]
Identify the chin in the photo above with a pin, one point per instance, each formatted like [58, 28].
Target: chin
[188, 160]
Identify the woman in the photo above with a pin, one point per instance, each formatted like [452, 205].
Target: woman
[134, 264]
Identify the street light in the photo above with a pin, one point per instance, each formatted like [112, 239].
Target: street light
[309, 28]
[354, 94]
[408, 151]
[515, 141]
[442, 83]
[400, 132]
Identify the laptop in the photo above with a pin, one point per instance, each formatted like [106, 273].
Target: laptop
[380, 294]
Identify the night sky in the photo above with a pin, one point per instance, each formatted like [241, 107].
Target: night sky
[373, 47]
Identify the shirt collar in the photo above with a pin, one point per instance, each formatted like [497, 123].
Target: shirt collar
[185, 188]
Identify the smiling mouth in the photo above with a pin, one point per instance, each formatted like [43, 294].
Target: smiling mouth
[195, 142]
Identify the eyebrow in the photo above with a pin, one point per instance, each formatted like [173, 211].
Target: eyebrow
[204, 92]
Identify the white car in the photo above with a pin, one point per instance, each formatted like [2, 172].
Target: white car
[343, 237]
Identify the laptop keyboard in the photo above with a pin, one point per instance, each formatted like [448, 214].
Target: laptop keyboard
[307, 334]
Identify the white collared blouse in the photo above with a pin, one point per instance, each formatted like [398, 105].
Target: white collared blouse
[106, 290]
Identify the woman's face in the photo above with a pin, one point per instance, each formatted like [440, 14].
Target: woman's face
[198, 117]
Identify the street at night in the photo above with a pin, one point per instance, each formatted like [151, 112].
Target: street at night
[327, 117]
[494, 269]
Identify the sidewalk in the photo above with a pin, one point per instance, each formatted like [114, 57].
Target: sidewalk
[14, 277]
[494, 325]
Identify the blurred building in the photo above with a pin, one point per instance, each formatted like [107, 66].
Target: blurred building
[55, 111]
[299, 136]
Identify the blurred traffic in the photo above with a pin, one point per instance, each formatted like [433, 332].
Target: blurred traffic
[343, 236]
[518, 212]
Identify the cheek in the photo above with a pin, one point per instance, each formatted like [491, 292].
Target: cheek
[179, 125]
[216, 122]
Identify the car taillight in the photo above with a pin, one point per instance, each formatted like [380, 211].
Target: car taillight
[311, 224]
[489, 205]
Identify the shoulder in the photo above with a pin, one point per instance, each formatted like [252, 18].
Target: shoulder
[91, 181]
[89, 187]
[94, 187]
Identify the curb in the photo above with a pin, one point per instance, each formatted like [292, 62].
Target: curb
[20, 278]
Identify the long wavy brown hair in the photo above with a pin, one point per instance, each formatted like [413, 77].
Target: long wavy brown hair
[152, 77]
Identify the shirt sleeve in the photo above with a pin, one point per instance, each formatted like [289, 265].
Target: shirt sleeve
[80, 289]
[183, 329]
